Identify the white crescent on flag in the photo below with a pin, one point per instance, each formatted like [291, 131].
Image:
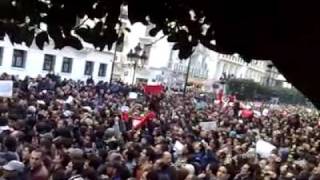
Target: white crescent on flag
[136, 123]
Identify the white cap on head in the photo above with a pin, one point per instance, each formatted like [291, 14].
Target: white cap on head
[14, 166]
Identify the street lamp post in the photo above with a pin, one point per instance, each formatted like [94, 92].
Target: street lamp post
[269, 72]
[187, 78]
[120, 39]
[114, 61]
[136, 59]
[224, 80]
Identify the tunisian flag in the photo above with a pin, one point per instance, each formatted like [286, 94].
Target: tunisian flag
[125, 116]
[125, 113]
[247, 114]
[219, 97]
[138, 122]
[153, 89]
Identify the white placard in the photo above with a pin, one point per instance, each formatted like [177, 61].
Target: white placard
[208, 126]
[6, 88]
[133, 95]
[257, 114]
[264, 148]
[178, 147]
[69, 100]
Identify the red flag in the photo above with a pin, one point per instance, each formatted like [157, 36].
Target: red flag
[138, 122]
[125, 113]
[125, 116]
[220, 95]
[247, 113]
[153, 89]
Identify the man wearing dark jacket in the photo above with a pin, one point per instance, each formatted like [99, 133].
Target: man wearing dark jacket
[9, 154]
[164, 170]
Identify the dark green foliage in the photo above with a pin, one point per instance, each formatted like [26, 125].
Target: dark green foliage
[250, 90]
[41, 38]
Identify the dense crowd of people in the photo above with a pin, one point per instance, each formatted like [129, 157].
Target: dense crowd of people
[66, 130]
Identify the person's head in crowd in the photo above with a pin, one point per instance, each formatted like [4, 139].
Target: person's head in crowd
[223, 173]
[13, 170]
[75, 167]
[110, 170]
[75, 153]
[26, 152]
[60, 161]
[167, 158]
[10, 143]
[212, 169]
[36, 159]
[3, 121]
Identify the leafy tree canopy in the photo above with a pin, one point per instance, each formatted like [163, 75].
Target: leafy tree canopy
[286, 32]
[250, 90]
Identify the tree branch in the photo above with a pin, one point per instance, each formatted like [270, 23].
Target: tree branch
[155, 41]
[79, 25]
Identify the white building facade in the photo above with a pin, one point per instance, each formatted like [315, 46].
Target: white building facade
[163, 64]
[236, 66]
[69, 63]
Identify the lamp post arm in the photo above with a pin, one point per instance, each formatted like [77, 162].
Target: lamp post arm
[187, 75]
[187, 78]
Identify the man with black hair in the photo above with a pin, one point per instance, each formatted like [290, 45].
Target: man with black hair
[90, 81]
[294, 121]
[75, 169]
[164, 169]
[9, 153]
[4, 125]
[58, 175]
